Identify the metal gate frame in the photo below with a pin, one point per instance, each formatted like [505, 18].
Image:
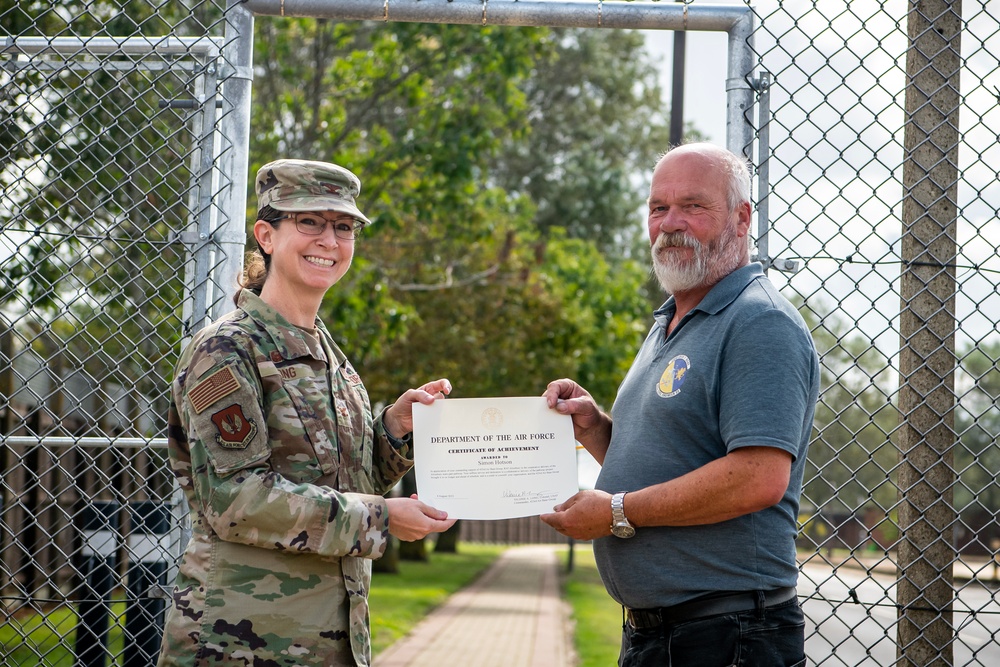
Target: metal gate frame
[216, 236]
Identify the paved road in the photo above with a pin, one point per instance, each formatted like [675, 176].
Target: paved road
[840, 632]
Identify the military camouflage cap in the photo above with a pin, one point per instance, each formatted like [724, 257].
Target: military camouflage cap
[305, 185]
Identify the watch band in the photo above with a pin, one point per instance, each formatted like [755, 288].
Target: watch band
[398, 442]
[620, 526]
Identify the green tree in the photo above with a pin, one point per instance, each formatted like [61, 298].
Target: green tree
[977, 422]
[851, 460]
[556, 309]
[598, 123]
[441, 122]
[851, 465]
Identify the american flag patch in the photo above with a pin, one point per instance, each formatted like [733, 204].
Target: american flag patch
[216, 386]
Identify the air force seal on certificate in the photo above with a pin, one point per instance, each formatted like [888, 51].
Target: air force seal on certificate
[673, 376]
[492, 418]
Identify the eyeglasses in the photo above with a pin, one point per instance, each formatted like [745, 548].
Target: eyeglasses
[345, 228]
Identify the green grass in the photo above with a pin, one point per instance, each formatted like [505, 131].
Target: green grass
[597, 618]
[399, 601]
[27, 637]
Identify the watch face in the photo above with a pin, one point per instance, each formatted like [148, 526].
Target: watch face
[622, 530]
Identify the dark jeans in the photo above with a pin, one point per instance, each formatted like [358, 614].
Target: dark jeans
[770, 637]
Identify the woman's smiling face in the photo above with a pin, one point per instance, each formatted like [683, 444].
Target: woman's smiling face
[301, 261]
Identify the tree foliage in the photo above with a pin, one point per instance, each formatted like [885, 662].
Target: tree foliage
[977, 422]
[852, 457]
[598, 122]
[498, 167]
[92, 174]
[852, 461]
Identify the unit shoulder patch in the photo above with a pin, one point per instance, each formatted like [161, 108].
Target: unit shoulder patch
[235, 430]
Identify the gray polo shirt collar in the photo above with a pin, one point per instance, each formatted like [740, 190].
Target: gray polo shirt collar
[720, 296]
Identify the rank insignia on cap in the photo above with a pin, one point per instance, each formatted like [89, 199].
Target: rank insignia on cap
[235, 429]
[214, 388]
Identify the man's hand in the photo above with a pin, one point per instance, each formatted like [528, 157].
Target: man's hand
[411, 519]
[591, 427]
[585, 516]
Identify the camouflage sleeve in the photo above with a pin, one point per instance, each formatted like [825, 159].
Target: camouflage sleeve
[236, 489]
[394, 457]
[259, 507]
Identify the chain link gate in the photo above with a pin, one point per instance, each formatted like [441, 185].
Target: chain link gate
[122, 139]
[115, 183]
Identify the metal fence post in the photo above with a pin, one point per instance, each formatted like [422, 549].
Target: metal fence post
[98, 523]
[925, 588]
[148, 548]
[8, 547]
[237, 56]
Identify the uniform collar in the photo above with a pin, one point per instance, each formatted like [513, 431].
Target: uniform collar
[290, 342]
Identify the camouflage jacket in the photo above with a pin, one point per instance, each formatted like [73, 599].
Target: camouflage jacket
[272, 439]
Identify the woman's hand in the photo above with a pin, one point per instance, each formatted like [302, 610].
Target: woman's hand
[398, 419]
[410, 519]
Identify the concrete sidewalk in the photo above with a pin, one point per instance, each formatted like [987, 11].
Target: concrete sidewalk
[512, 616]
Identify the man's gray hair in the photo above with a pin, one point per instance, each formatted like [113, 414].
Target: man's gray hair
[737, 170]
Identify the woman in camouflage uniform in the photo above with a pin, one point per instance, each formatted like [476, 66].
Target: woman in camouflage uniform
[273, 440]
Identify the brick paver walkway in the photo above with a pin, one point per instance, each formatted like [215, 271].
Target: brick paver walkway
[512, 616]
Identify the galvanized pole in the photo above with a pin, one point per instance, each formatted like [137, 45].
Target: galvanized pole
[8, 459]
[925, 589]
[237, 78]
[739, 93]
[677, 87]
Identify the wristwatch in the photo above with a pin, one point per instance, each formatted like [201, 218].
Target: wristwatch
[620, 527]
[399, 443]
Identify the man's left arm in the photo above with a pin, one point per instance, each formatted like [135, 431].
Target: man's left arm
[746, 480]
[766, 404]
[766, 415]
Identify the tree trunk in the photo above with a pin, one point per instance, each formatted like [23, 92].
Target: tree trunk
[389, 562]
[447, 542]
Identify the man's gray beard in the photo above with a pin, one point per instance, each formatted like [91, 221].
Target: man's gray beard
[710, 264]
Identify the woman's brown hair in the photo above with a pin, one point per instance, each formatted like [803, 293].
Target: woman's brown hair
[258, 263]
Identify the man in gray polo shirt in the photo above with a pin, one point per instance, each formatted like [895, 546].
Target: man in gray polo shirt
[694, 514]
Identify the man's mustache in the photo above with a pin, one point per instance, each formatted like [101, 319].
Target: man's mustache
[675, 240]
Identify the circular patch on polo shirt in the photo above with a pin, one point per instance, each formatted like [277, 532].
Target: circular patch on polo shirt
[673, 376]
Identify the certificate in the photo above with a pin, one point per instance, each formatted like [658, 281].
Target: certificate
[493, 458]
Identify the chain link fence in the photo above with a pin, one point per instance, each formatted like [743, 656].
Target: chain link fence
[112, 160]
[883, 170]
[122, 158]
